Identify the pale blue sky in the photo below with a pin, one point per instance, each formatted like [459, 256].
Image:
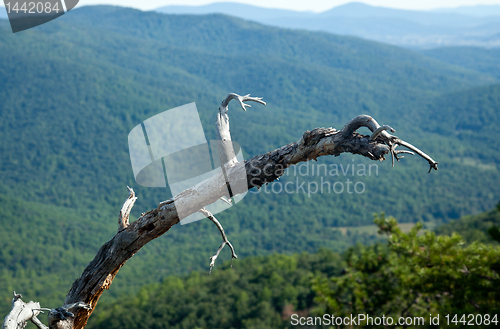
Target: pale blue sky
[312, 5]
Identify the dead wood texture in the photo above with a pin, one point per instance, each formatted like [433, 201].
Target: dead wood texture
[259, 170]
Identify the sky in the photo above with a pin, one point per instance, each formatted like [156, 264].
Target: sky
[310, 5]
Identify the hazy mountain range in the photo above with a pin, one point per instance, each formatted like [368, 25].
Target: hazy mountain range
[465, 26]
[479, 10]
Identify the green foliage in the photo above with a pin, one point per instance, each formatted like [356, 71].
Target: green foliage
[414, 275]
[479, 59]
[494, 232]
[473, 228]
[258, 292]
[43, 248]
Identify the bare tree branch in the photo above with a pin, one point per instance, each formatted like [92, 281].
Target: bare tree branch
[38, 323]
[123, 221]
[390, 140]
[261, 169]
[432, 163]
[59, 318]
[225, 241]
[228, 159]
[21, 313]
[227, 154]
[379, 130]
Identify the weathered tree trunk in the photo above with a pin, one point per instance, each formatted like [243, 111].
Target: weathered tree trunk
[261, 169]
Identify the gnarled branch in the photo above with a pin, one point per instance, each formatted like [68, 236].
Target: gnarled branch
[259, 170]
[390, 140]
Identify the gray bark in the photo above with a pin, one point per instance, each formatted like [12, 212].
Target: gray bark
[259, 170]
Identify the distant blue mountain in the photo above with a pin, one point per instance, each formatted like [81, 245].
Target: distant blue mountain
[361, 10]
[478, 11]
[248, 12]
[464, 26]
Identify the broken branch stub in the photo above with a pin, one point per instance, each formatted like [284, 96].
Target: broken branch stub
[21, 313]
[123, 218]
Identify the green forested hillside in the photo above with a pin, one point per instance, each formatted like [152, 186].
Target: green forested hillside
[485, 60]
[263, 292]
[42, 247]
[71, 90]
[474, 228]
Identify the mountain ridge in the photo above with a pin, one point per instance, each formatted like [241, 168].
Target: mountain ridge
[477, 10]
[409, 28]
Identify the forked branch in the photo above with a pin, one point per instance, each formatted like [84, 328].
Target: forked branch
[228, 160]
[226, 150]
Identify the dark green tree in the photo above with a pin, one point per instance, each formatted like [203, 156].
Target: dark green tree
[413, 275]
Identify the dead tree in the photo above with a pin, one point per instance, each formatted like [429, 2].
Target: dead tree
[259, 170]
